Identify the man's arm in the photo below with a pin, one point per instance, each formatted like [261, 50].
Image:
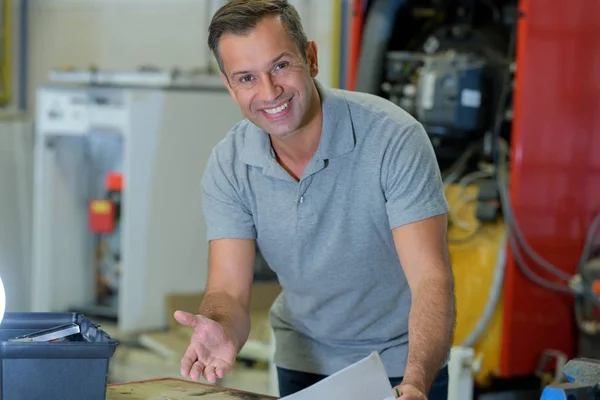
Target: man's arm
[231, 246]
[227, 295]
[424, 257]
[223, 324]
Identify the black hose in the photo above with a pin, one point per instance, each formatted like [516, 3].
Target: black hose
[378, 30]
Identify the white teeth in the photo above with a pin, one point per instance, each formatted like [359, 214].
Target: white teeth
[278, 109]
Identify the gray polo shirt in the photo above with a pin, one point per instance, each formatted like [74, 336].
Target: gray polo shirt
[329, 236]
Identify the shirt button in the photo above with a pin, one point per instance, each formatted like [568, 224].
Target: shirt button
[301, 199]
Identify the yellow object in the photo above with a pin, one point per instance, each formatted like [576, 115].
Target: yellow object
[474, 258]
[5, 70]
[100, 207]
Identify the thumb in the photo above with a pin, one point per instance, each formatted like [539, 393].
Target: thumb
[186, 318]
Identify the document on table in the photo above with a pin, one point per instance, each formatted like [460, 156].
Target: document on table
[363, 380]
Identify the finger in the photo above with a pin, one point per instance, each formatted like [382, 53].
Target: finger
[185, 318]
[222, 365]
[220, 373]
[209, 374]
[197, 370]
[188, 359]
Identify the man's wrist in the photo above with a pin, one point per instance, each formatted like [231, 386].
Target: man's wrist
[416, 380]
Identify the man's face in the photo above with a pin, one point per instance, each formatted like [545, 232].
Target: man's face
[268, 77]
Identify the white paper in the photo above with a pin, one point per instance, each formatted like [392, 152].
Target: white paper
[363, 380]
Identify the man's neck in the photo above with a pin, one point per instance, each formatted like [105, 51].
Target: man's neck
[295, 151]
[301, 146]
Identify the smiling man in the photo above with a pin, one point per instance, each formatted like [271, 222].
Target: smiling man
[342, 193]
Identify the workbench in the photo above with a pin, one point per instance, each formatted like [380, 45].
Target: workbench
[175, 389]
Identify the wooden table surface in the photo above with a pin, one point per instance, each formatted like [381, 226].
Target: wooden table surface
[175, 389]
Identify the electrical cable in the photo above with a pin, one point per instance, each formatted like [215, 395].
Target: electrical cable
[532, 253]
[505, 204]
[493, 297]
[506, 210]
[452, 173]
[500, 154]
[506, 90]
[463, 200]
[593, 231]
[470, 178]
[588, 327]
[512, 221]
[513, 233]
[584, 291]
[516, 238]
[530, 274]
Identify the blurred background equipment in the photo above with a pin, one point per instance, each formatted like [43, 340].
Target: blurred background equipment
[105, 222]
[447, 62]
[580, 381]
[118, 221]
[508, 96]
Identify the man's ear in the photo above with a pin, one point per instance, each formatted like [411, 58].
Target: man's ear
[228, 86]
[311, 56]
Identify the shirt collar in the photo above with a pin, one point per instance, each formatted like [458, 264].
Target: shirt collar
[337, 136]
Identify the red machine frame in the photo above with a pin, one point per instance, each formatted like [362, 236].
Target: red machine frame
[555, 177]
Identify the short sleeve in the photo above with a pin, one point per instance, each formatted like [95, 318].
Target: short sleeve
[226, 215]
[411, 178]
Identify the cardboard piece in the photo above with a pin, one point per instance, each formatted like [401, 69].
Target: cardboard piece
[261, 298]
[171, 389]
[172, 343]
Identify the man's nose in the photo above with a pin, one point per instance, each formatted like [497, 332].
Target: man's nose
[270, 89]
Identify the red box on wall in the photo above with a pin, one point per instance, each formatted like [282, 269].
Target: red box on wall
[101, 216]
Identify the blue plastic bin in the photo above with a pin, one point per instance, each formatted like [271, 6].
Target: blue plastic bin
[72, 370]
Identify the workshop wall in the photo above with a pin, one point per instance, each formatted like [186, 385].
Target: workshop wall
[16, 181]
[127, 34]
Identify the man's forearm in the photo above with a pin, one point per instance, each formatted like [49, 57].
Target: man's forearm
[226, 310]
[431, 329]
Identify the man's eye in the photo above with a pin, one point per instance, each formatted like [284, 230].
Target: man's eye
[246, 78]
[281, 65]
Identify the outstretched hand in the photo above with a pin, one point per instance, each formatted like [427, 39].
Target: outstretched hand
[211, 352]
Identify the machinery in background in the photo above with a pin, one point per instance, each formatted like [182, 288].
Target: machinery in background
[118, 224]
[587, 312]
[449, 63]
[580, 381]
[507, 93]
[105, 223]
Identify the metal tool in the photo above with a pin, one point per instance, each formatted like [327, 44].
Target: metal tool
[55, 334]
[581, 381]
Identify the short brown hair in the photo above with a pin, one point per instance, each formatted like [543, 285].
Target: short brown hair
[239, 17]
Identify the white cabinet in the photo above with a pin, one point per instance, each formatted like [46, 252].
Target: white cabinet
[160, 140]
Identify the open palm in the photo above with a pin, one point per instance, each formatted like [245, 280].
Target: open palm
[211, 352]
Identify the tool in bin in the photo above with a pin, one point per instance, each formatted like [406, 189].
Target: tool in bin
[581, 381]
[56, 334]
